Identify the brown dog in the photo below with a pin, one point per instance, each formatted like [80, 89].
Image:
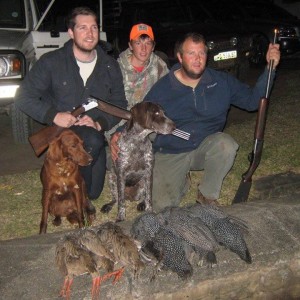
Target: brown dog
[64, 190]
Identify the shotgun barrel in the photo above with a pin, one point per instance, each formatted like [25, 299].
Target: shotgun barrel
[243, 191]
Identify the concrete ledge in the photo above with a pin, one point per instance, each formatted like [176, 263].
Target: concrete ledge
[28, 270]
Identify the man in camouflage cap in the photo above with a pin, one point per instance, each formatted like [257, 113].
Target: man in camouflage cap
[141, 68]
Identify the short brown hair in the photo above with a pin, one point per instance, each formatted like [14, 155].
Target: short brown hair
[194, 36]
[82, 10]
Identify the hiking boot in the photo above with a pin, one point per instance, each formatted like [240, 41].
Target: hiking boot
[203, 200]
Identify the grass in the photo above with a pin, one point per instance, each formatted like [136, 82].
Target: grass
[20, 194]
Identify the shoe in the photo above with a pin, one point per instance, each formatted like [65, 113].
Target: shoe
[203, 200]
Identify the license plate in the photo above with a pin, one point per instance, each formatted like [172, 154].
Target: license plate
[225, 55]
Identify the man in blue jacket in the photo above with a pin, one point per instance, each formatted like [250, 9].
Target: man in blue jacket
[197, 99]
[63, 79]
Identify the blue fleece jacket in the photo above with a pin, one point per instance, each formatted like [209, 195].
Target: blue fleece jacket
[203, 110]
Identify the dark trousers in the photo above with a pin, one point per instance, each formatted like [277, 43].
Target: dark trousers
[94, 174]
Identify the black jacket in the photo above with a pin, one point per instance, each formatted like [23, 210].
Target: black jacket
[54, 85]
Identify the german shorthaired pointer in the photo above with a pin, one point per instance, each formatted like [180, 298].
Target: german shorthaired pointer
[133, 170]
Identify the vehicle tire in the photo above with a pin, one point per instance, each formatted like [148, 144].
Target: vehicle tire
[260, 48]
[22, 125]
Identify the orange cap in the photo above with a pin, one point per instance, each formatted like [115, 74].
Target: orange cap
[139, 29]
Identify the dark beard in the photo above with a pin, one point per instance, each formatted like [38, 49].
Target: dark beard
[191, 74]
[84, 49]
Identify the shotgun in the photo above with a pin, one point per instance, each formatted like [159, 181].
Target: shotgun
[122, 113]
[41, 139]
[242, 193]
[111, 109]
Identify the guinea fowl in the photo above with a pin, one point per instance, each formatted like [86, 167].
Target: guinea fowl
[162, 244]
[192, 230]
[227, 230]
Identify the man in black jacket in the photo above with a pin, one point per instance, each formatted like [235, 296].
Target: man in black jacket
[63, 79]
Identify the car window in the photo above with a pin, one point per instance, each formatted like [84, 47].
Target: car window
[12, 14]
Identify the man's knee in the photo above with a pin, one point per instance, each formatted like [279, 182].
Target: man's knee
[94, 143]
[224, 144]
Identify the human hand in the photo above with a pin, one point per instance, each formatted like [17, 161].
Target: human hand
[114, 148]
[64, 119]
[273, 54]
[87, 121]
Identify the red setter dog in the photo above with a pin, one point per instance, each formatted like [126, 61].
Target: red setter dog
[64, 190]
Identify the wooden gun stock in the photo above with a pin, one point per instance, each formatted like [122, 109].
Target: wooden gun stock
[41, 139]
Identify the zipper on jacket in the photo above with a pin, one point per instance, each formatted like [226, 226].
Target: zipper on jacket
[195, 100]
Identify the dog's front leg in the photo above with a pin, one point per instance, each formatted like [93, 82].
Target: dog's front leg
[121, 198]
[147, 180]
[88, 212]
[79, 206]
[45, 210]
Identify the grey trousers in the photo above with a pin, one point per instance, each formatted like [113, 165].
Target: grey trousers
[215, 155]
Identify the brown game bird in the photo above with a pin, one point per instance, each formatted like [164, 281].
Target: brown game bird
[124, 248]
[92, 249]
[81, 252]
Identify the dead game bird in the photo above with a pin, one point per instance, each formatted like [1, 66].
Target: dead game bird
[160, 243]
[124, 248]
[192, 230]
[227, 230]
[74, 259]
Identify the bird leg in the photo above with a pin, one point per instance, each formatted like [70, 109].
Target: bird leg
[66, 289]
[96, 287]
[118, 274]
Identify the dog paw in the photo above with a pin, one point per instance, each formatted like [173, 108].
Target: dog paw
[141, 206]
[56, 221]
[106, 208]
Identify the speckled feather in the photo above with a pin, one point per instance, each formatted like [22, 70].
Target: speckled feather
[165, 246]
[192, 230]
[226, 230]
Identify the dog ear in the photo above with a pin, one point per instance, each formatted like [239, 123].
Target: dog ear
[55, 149]
[134, 114]
[140, 114]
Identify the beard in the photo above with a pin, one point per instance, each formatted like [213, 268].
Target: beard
[84, 49]
[190, 73]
